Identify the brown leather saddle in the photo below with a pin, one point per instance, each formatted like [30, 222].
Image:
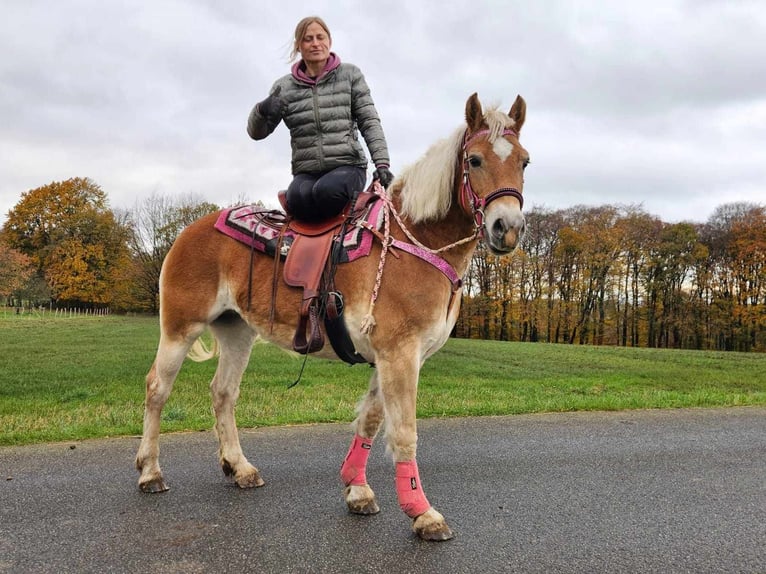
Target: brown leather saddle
[309, 266]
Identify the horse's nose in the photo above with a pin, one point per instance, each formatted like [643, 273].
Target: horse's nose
[506, 231]
[499, 228]
[509, 223]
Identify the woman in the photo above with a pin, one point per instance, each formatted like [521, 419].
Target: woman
[323, 102]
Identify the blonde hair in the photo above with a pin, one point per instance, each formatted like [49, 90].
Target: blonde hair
[300, 31]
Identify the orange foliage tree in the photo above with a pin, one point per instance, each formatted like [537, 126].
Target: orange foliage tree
[16, 270]
[72, 239]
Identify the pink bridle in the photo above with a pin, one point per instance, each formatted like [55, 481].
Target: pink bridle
[472, 203]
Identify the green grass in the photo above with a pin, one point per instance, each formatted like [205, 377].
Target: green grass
[74, 378]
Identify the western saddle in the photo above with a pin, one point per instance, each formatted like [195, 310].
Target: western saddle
[310, 265]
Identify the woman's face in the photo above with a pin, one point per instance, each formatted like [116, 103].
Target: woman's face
[315, 45]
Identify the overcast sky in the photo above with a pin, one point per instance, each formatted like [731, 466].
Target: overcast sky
[660, 103]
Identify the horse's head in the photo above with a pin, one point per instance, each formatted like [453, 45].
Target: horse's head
[493, 173]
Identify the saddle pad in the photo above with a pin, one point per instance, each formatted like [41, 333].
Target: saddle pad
[259, 228]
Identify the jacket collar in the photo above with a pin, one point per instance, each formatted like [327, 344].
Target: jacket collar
[299, 70]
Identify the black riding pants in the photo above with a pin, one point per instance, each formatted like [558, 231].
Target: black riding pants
[318, 196]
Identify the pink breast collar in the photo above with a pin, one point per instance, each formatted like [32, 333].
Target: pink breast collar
[440, 263]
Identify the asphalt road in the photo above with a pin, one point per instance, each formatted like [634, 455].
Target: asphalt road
[649, 491]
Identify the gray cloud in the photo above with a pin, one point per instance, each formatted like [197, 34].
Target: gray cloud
[658, 103]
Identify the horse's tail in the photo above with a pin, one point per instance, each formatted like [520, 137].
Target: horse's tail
[200, 352]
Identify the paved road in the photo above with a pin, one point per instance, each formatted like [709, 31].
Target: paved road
[650, 491]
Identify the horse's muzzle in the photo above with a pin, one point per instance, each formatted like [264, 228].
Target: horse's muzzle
[503, 230]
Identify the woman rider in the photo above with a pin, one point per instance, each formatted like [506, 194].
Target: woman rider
[324, 103]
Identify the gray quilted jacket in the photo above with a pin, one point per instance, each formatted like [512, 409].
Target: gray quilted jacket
[324, 117]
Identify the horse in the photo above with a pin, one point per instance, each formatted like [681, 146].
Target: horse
[398, 310]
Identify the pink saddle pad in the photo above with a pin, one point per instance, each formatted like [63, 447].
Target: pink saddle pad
[259, 228]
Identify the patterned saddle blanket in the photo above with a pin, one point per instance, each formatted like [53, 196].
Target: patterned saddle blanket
[259, 228]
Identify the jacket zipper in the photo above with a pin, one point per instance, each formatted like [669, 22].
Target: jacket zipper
[315, 96]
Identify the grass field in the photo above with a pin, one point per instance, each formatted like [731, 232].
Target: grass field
[74, 378]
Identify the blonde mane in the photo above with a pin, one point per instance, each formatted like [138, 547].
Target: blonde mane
[426, 187]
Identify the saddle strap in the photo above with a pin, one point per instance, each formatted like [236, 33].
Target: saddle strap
[308, 337]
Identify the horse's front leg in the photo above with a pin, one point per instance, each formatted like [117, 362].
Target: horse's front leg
[398, 380]
[360, 498]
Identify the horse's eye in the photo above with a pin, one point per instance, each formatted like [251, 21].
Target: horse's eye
[525, 164]
[474, 161]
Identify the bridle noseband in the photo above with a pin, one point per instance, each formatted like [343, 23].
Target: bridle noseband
[472, 203]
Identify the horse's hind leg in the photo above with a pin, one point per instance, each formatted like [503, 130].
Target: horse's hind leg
[235, 338]
[159, 382]
[359, 496]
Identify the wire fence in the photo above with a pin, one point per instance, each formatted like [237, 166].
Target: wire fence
[62, 312]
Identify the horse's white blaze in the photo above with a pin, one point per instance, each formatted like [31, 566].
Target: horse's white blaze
[503, 148]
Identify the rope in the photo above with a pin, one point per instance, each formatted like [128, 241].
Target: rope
[418, 243]
[368, 322]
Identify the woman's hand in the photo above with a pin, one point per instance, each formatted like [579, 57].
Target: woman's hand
[271, 106]
[383, 174]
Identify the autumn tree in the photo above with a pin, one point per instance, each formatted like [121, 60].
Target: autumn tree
[16, 270]
[740, 253]
[732, 238]
[537, 286]
[479, 291]
[86, 265]
[600, 248]
[567, 259]
[72, 239]
[749, 258]
[637, 231]
[670, 261]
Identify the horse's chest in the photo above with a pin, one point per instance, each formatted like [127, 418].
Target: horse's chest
[438, 334]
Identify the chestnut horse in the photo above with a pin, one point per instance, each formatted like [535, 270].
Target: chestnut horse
[398, 310]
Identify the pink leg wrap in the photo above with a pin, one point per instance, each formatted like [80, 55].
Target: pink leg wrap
[353, 470]
[409, 490]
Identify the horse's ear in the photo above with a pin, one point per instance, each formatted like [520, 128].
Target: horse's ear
[474, 116]
[518, 113]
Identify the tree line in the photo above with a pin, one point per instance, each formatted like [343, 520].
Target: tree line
[607, 275]
[615, 275]
[61, 246]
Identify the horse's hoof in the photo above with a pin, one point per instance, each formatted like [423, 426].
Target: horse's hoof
[250, 479]
[247, 476]
[431, 526]
[361, 500]
[153, 485]
[366, 509]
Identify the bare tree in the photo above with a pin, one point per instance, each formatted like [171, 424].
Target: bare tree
[154, 224]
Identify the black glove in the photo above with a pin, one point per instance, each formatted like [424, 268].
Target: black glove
[384, 175]
[271, 106]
